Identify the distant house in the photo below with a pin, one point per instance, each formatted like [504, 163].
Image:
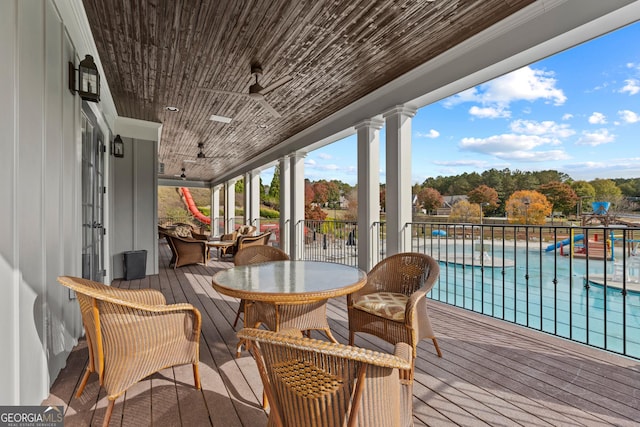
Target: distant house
[448, 203]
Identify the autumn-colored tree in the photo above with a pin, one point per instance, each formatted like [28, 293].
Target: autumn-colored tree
[321, 192]
[430, 199]
[333, 194]
[463, 211]
[560, 195]
[527, 207]
[314, 213]
[484, 195]
[352, 205]
[308, 193]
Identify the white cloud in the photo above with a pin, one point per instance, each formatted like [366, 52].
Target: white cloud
[325, 156]
[474, 163]
[632, 86]
[494, 97]
[489, 112]
[309, 162]
[629, 116]
[431, 134]
[547, 128]
[599, 137]
[514, 147]
[567, 116]
[597, 118]
[614, 167]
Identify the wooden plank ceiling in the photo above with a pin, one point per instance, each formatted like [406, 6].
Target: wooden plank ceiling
[160, 53]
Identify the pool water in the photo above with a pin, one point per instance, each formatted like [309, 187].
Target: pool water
[544, 291]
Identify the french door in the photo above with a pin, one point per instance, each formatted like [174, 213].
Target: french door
[93, 189]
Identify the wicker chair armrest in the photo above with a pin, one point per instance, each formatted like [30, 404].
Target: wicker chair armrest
[199, 236]
[417, 301]
[322, 347]
[144, 296]
[229, 236]
[151, 297]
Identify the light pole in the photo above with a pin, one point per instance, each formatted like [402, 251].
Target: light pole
[526, 201]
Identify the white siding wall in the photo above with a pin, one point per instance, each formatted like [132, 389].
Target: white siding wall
[39, 199]
[134, 197]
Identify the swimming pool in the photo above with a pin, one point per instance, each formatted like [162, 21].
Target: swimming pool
[523, 284]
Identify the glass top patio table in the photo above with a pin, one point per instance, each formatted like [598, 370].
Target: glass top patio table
[289, 294]
[289, 281]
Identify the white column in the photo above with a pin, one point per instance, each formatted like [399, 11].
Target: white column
[254, 199]
[247, 198]
[285, 204]
[230, 206]
[215, 210]
[398, 173]
[297, 205]
[368, 192]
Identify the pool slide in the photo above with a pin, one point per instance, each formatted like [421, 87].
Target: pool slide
[565, 242]
[188, 200]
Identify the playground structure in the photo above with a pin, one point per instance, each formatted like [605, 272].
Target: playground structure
[185, 194]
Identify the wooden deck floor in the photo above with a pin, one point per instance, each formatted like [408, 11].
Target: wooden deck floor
[492, 373]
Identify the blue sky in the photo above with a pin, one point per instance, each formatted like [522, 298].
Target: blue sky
[577, 112]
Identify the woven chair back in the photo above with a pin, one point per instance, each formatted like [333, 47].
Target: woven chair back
[258, 254]
[404, 273]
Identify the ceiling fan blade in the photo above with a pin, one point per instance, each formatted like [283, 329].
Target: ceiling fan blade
[224, 92]
[269, 108]
[276, 84]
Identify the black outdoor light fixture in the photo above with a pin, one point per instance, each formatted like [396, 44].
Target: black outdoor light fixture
[201, 154]
[117, 147]
[87, 83]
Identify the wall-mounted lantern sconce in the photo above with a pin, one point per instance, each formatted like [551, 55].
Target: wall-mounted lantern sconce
[88, 79]
[117, 147]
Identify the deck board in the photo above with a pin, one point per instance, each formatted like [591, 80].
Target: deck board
[492, 372]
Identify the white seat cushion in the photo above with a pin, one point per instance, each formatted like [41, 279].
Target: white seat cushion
[390, 305]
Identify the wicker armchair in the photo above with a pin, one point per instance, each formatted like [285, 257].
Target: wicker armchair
[132, 334]
[255, 255]
[310, 382]
[186, 250]
[245, 241]
[393, 304]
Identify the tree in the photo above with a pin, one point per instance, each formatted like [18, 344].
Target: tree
[309, 195]
[320, 192]
[333, 194]
[560, 195]
[527, 207]
[352, 205]
[383, 197]
[586, 195]
[274, 188]
[314, 213]
[430, 199]
[463, 211]
[484, 195]
[239, 187]
[606, 191]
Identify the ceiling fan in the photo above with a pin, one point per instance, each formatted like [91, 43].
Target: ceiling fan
[183, 175]
[256, 91]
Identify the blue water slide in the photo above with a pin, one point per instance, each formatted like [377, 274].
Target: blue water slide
[565, 242]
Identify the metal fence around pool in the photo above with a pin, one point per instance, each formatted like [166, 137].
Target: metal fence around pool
[581, 283]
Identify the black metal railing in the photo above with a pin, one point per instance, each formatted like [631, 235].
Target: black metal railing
[332, 240]
[581, 283]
